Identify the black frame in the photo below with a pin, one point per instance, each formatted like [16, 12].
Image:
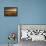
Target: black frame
[6, 8]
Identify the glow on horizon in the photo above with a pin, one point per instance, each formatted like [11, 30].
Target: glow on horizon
[11, 9]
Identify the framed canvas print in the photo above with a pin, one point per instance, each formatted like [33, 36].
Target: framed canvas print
[10, 11]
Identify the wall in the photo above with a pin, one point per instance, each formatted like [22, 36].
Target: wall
[29, 12]
[33, 12]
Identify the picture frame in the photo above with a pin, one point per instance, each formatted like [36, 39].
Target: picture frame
[10, 11]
